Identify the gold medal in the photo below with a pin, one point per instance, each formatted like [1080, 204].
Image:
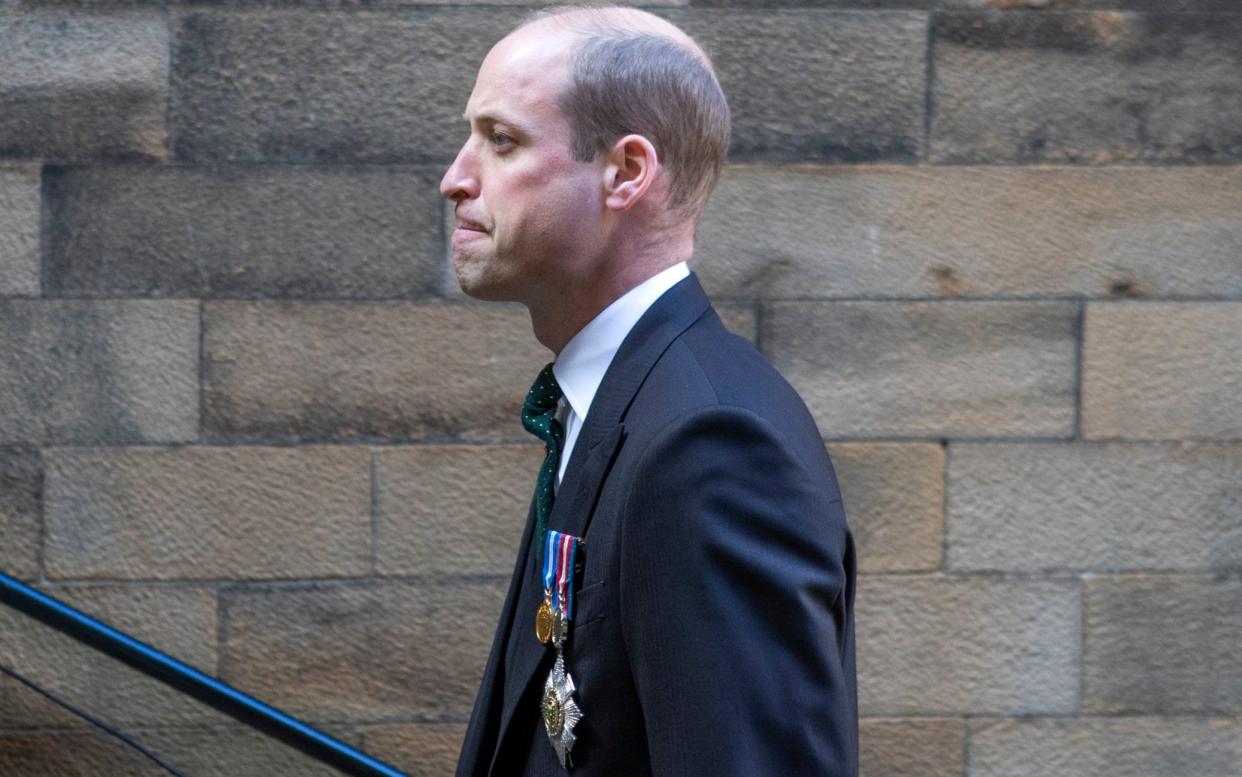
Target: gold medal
[543, 622]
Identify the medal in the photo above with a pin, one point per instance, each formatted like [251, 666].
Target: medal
[543, 621]
[560, 711]
[560, 628]
[557, 707]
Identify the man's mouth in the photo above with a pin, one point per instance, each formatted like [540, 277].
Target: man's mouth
[468, 231]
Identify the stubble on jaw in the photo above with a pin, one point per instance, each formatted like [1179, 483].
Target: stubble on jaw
[471, 270]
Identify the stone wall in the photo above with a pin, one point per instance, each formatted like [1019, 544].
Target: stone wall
[246, 414]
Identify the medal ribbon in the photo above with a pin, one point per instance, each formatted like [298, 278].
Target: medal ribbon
[565, 580]
[549, 563]
[558, 570]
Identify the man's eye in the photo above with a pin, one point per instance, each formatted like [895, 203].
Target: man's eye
[501, 139]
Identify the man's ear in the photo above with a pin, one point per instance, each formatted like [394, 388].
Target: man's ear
[631, 168]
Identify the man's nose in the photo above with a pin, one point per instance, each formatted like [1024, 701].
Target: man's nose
[460, 181]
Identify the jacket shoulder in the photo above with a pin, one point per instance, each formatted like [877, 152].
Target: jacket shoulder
[709, 366]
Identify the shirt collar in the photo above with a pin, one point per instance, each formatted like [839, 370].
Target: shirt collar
[580, 366]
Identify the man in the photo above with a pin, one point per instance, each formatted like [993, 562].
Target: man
[698, 619]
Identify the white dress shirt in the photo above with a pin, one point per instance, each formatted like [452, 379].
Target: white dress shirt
[580, 366]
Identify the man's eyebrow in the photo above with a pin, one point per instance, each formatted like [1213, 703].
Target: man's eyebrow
[487, 118]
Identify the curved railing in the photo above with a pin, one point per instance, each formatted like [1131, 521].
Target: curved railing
[190, 681]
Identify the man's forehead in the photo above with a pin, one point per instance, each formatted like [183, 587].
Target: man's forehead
[522, 71]
[530, 51]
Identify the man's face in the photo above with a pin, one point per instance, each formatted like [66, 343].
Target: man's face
[525, 209]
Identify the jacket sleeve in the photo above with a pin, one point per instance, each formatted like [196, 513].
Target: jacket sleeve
[736, 603]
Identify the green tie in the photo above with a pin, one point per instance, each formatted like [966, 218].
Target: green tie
[539, 418]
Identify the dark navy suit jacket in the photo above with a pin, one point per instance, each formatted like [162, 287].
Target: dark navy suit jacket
[714, 629]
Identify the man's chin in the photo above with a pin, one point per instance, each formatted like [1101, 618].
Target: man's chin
[481, 292]
[475, 284]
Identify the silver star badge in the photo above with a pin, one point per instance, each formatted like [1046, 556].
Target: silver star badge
[560, 711]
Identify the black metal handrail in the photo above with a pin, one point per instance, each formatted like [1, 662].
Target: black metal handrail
[191, 682]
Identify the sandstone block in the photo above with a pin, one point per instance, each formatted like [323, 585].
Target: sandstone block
[1163, 645]
[1103, 747]
[927, 747]
[1097, 88]
[422, 750]
[361, 652]
[242, 231]
[967, 646]
[295, 371]
[779, 69]
[1089, 507]
[75, 372]
[319, 86]
[1162, 370]
[894, 502]
[208, 512]
[453, 510]
[942, 231]
[81, 86]
[953, 369]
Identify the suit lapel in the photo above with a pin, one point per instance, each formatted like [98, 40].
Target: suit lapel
[589, 463]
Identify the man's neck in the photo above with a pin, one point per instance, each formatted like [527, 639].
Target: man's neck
[556, 319]
[556, 322]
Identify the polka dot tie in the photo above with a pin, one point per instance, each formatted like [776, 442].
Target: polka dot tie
[539, 418]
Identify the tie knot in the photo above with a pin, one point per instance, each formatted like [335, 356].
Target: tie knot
[539, 409]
